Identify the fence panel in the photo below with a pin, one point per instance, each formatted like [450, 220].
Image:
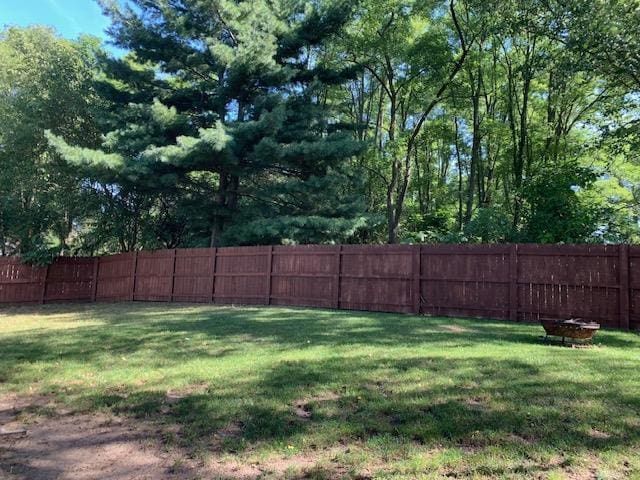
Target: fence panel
[115, 277]
[193, 279]
[154, 276]
[376, 278]
[465, 280]
[70, 279]
[567, 281]
[304, 275]
[20, 283]
[634, 287]
[241, 275]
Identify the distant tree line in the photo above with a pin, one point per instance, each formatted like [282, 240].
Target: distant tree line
[288, 121]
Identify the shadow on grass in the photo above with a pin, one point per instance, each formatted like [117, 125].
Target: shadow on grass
[441, 391]
[509, 404]
[168, 331]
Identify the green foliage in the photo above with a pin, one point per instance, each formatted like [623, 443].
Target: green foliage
[45, 84]
[556, 212]
[250, 122]
[222, 117]
[321, 210]
[489, 225]
[516, 128]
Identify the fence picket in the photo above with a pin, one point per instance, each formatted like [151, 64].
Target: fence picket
[94, 285]
[513, 283]
[134, 267]
[45, 277]
[624, 290]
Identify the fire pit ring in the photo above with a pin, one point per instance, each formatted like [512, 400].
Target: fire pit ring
[574, 328]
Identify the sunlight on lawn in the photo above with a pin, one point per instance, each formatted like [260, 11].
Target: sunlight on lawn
[399, 394]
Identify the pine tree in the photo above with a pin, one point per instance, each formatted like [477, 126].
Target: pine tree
[220, 106]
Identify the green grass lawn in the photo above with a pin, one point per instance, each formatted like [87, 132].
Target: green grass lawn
[378, 395]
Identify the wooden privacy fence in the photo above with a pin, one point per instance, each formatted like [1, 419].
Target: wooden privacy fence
[514, 282]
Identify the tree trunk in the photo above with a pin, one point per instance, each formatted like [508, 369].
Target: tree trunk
[392, 221]
[218, 218]
[475, 145]
[459, 161]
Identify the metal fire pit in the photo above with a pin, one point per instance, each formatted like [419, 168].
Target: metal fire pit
[574, 328]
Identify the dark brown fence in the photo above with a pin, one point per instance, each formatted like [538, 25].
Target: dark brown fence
[514, 282]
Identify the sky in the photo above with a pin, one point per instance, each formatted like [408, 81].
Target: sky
[69, 17]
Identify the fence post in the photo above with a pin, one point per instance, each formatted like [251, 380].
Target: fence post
[43, 295]
[213, 274]
[268, 275]
[416, 270]
[173, 274]
[336, 278]
[624, 291]
[513, 282]
[94, 287]
[134, 267]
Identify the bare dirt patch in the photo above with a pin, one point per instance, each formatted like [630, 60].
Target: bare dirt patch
[229, 434]
[300, 466]
[302, 407]
[457, 329]
[475, 403]
[174, 396]
[67, 446]
[599, 434]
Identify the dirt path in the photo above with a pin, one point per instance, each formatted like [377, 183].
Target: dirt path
[65, 446]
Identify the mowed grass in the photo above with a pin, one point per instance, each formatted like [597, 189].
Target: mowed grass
[362, 394]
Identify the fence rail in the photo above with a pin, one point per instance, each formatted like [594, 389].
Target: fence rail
[520, 282]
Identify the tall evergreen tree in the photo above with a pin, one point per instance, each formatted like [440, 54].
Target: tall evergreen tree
[220, 107]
